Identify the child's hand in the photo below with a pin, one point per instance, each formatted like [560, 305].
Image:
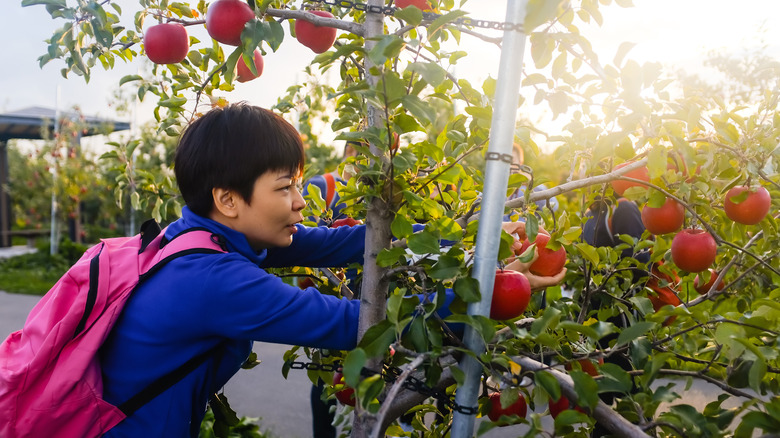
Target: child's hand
[537, 282]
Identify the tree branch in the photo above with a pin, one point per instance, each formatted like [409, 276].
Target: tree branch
[605, 415]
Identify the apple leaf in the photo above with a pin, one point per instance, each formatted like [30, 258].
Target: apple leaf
[634, 331]
[614, 378]
[538, 12]
[548, 382]
[411, 14]
[586, 387]
[129, 78]
[445, 268]
[58, 3]
[432, 73]
[588, 252]
[389, 256]
[467, 288]
[423, 242]
[418, 108]
[353, 366]
[378, 338]
[401, 227]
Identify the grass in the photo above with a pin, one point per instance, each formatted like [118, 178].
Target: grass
[36, 273]
[32, 274]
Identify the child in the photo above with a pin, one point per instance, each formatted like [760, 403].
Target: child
[237, 168]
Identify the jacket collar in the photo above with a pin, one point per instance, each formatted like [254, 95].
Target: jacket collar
[236, 241]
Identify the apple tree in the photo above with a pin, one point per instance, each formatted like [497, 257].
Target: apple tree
[620, 338]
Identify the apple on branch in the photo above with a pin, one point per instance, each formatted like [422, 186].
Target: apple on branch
[244, 73]
[693, 250]
[166, 43]
[318, 38]
[225, 20]
[747, 206]
[665, 219]
[519, 408]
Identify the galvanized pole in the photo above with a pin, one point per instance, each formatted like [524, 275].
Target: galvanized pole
[498, 159]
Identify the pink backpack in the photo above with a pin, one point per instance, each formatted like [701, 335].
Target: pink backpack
[50, 378]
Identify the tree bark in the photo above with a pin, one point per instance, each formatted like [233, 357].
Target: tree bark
[373, 295]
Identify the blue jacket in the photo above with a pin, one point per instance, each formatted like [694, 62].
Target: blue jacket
[198, 301]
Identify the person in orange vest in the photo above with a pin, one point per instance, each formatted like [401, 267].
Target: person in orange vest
[328, 184]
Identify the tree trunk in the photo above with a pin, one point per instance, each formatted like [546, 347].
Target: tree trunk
[373, 293]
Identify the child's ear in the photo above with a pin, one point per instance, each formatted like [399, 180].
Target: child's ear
[225, 201]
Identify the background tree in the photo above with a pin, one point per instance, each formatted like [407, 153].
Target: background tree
[395, 77]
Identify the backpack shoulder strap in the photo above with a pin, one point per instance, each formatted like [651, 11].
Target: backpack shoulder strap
[190, 241]
[330, 181]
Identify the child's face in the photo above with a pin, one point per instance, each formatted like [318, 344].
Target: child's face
[269, 219]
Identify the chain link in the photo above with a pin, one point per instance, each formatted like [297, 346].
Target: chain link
[427, 16]
[390, 375]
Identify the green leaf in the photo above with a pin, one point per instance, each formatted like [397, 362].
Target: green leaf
[58, 3]
[410, 14]
[418, 108]
[129, 78]
[615, 379]
[550, 317]
[423, 243]
[445, 268]
[538, 12]
[378, 338]
[389, 256]
[401, 227]
[588, 252]
[432, 73]
[353, 365]
[579, 328]
[467, 288]
[549, 383]
[587, 388]
[634, 331]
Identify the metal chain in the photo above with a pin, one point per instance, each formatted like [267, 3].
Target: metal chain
[390, 375]
[427, 16]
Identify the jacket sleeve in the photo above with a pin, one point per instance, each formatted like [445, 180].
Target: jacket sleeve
[320, 247]
[242, 301]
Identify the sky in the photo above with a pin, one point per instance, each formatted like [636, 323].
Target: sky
[677, 33]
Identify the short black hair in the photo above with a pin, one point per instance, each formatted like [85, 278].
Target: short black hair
[229, 148]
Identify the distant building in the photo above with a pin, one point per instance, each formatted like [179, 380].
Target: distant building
[29, 123]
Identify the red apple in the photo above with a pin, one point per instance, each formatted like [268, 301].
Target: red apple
[318, 38]
[693, 250]
[166, 43]
[620, 186]
[752, 209]
[422, 5]
[562, 404]
[347, 395]
[519, 407]
[549, 263]
[587, 366]
[347, 221]
[305, 282]
[704, 288]
[243, 73]
[511, 295]
[225, 20]
[665, 219]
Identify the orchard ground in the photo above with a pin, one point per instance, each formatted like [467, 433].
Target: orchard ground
[283, 405]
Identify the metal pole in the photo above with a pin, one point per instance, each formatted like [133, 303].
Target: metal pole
[54, 238]
[498, 160]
